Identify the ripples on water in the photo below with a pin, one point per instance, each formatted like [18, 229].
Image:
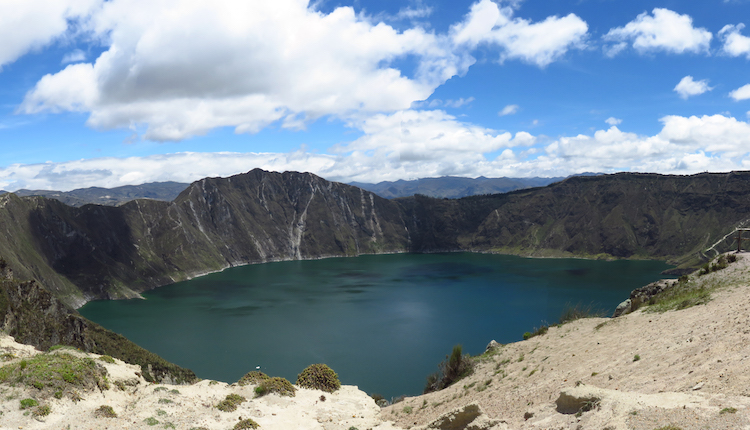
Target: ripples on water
[382, 322]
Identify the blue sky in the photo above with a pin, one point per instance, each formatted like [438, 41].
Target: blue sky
[109, 93]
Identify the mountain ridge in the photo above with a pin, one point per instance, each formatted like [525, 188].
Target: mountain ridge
[166, 191]
[103, 252]
[452, 187]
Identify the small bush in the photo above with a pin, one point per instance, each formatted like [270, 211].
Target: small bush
[42, 411]
[165, 401]
[407, 409]
[107, 359]
[572, 313]
[277, 385]
[378, 399]
[230, 403]
[636, 357]
[28, 403]
[105, 411]
[246, 424]
[537, 332]
[456, 367]
[56, 372]
[151, 421]
[319, 377]
[252, 378]
[728, 411]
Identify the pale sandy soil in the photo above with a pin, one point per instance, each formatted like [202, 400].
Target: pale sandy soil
[183, 406]
[693, 364]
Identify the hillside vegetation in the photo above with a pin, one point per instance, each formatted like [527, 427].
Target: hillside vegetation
[101, 252]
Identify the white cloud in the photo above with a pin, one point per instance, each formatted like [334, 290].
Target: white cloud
[74, 56]
[538, 43]
[735, 44]
[243, 64]
[414, 144]
[664, 31]
[741, 93]
[688, 87]
[414, 12]
[509, 110]
[178, 69]
[613, 121]
[415, 136]
[181, 167]
[27, 25]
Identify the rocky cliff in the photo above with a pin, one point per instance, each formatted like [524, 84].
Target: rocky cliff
[99, 252]
[33, 316]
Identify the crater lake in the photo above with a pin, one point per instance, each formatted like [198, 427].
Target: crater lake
[382, 322]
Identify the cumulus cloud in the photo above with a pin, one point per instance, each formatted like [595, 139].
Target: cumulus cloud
[741, 93]
[178, 69]
[244, 65]
[27, 25]
[416, 144]
[665, 30]
[688, 87]
[613, 121]
[509, 110]
[538, 43]
[409, 139]
[735, 44]
[112, 172]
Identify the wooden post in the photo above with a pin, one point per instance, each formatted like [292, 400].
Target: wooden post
[739, 241]
[739, 238]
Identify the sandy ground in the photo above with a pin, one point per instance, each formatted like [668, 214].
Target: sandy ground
[692, 371]
[183, 406]
[691, 365]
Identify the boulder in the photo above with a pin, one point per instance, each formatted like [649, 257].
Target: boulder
[622, 309]
[492, 345]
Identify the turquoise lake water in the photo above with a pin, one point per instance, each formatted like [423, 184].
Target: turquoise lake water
[382, 322]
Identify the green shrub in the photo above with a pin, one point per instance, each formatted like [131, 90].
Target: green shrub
[252, 378]
[56, 372]
[636, 357]
[42, 411]
[246, 424]
[105, 411]
[277, 385]
[537, 332]
[28, 403]
[151, 421]
[107, 359]
[230, 403]
[457, 366]
[728, 411]
[319, 377]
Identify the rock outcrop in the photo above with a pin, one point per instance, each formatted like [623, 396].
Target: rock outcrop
[33, 316]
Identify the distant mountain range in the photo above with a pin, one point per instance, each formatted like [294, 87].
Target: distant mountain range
[165, 191]
[452, 187]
